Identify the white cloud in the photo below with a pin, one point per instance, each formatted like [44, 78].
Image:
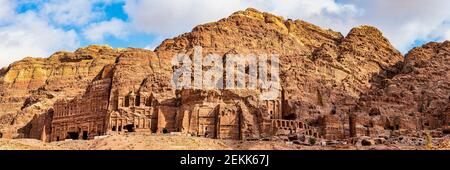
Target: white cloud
[97, 31]
[302, 8]
[30, 35]
[43, 30]
[71, 12]
[447, 35]
[405, 22]
[38, 32]
[325, 13]
[6, 10]
[171, 17]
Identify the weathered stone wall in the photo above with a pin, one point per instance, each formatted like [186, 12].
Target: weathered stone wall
[411, 97]
[32, 85]
[336, 87]
[40, 127]
[83, 117]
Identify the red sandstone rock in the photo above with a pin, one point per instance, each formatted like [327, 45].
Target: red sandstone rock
[415, 98]
[333, 87]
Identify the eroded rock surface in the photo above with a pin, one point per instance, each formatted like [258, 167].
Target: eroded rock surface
[333, 87]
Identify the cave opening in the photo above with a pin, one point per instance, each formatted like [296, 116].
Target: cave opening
[333, 109]
[130, 128]
[291, 116]
[165, 131]
[73, 135]
[390, 127]
[446, 131]
[85, 135]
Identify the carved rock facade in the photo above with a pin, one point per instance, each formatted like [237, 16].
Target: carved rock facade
[332, 87]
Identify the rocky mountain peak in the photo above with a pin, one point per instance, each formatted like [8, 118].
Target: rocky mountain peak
[367, 39]
[425, 52]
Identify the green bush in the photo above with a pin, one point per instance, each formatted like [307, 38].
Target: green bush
[312, 141]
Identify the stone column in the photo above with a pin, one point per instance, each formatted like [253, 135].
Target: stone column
[117, 124]
[160, 121]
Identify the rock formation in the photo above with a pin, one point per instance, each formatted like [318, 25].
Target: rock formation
[410, 97]
[32, 85]
[332, 87]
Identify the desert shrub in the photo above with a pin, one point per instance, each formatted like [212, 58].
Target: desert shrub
[312, 141]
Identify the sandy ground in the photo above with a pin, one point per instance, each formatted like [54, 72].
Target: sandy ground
[173, 142]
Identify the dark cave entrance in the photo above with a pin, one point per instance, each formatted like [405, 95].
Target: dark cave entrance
[130, 128]
[85, 135]
[291, 116]
[73, 135]
[446, 131]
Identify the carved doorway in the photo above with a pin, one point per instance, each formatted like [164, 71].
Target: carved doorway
[73, 135]
[85, 135]
[130, 128]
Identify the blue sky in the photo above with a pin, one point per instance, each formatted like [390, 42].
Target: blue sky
[108, 10]
[39, 28]
[135, 39]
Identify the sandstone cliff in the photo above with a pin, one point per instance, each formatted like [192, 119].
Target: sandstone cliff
[346, 86]
[321, 70]
[413, 96]
[32, 85]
